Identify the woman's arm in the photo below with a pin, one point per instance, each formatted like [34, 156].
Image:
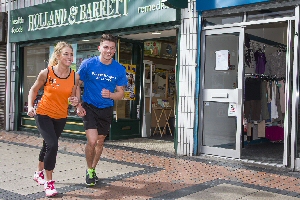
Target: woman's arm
[40, 81]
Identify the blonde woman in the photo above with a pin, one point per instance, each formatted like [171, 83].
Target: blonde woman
[59, 82]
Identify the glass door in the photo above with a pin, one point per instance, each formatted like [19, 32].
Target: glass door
[147, 95]
[222, 89]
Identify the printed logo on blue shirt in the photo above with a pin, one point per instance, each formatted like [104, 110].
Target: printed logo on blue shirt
[103, 77]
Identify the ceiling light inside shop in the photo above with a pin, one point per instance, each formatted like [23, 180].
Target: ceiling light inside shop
[156, 33]
[85, 40]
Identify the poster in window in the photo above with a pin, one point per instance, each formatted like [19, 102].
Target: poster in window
[168, 51]
[232, 109]
[222, 60]
[130, 88]
[152, 48]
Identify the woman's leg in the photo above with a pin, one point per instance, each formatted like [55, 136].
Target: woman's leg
[46, 128]
[41, 157]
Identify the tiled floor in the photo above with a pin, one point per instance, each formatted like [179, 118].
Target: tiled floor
[139, 169]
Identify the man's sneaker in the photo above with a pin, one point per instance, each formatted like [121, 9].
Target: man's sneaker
[95, 175]
[50, 189]
[39, 177]
[90, 177]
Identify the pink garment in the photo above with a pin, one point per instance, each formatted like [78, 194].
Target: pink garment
[274, 133]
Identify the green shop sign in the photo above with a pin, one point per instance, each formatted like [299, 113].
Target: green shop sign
[70, 17]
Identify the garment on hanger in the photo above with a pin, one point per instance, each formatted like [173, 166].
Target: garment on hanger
[252, 104]
[261, 61]
[249, 129]
[250, 63]
[274, 112]
[269, 91]
[255, 132]
[281, 85]
[261, 126]
[276, 64]
[277, 102]
[252, 89]
[264, 100]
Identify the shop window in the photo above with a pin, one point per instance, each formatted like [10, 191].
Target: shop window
[86, 50]
[270, 13]
[35, 59]
[125, 53]
[225, 19]
[122, 108]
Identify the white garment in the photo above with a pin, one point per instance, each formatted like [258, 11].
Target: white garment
[274, 112]
[282, 95]
[269, 92]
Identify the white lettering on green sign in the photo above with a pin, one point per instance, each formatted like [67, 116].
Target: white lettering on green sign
[155, 7]
[20, 20]
[18, 29]
[101, 10]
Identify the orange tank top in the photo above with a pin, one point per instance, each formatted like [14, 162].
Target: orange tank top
[54, 102]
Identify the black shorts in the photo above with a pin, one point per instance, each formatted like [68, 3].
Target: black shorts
[97, 118]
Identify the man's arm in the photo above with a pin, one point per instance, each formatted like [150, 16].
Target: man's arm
[117, 95]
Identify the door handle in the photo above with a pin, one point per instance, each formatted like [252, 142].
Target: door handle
[219, 95]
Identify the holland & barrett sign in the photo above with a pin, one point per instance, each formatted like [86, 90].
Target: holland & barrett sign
[68, 17]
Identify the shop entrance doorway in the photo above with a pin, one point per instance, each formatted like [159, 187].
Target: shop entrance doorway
[247, 92]
[268, 66]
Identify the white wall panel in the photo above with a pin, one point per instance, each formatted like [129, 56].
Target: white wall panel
[187, 76]
[194, 39]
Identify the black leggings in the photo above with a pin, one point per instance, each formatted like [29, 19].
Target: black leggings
[50, 129]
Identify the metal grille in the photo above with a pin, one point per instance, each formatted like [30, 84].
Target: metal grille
[2, 84]
[17, 4]
[187, 76]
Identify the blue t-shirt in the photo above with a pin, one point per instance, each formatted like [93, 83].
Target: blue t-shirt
[96, 76]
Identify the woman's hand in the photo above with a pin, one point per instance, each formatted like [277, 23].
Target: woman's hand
[31, 111]
[73, 101]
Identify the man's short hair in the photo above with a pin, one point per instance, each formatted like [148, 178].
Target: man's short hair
[108, 37]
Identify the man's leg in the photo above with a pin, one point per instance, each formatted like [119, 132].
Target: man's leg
[98, 150]
[92, 137]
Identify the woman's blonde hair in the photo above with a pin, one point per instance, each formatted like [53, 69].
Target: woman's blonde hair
[57, 51]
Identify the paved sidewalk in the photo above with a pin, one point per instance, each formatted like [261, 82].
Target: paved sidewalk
[135, 169]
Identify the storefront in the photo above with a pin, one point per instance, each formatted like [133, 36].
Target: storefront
[249, 81]
[36, 29]
[3, 39]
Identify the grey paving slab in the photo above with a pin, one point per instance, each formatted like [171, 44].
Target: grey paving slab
[147, 144]
[232, 192]
[18, 164]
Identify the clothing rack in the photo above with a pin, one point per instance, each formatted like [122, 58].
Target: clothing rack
[264, 76]
[278, 45]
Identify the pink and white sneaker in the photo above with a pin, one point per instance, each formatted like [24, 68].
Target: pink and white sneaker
[39, 177]
[50, 189]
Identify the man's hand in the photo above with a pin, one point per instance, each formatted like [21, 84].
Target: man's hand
[105, 93]
[80, 110]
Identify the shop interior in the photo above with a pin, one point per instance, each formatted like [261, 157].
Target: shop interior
[157, 81]
[264, 96]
